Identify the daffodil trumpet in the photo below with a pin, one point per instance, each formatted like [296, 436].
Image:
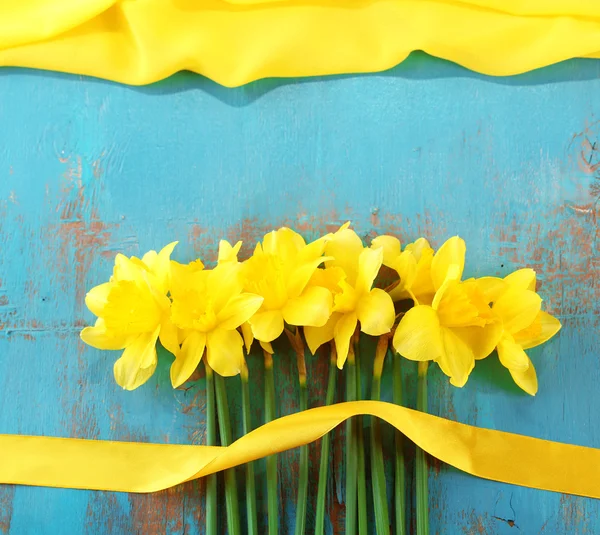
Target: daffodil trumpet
[271, 460]
[251, 512]
[421, 470]
[324, 461]
[297, 343]
[211, 440]
[231, 493]
[399, 463]
[380, 505]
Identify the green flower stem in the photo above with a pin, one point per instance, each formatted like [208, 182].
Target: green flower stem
[363, 522]
[380, 505]
[231, 494]
[399, 474]
[351, 449]
[211, 440]
[272, 499]
[324, 463]
[297, 343]
[303, 478]
[251, 514]
[421, 461]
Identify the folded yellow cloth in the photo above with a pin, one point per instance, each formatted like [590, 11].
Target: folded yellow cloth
[139, 467]
[237, 41]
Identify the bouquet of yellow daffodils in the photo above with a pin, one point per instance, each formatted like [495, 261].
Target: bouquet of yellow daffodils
[322, 293]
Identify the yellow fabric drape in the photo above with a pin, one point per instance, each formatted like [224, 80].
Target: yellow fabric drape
[138, 467]
[237, 41]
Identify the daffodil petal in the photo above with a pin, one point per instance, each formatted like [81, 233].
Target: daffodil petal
[226, 277]
[129, 376]
[138, 362]
[284, 243]
[422, 286]
[312, 308]
[526, 380]
[301, 275]
[97, 297]
[268, 325]
[343, 332]
[127, 270]
[329, 278]
[168, 337]
[518, 309]
[419, 248]
[406, 267]
[247, 335]
[182, 334]
[391, 249]
[481, 340]
[159, 265]
[418, 335]
[449, 261]
[399, 293]
[227, 252]
[376, 312]
[317, 336]
[543, 328]
[98, 337]
[266, 346]
[239, 310]
[188, 358]
[457, 359]
[511, 355]
[345, 247]
[369, 263]
[314, 249]
[149, 259]
[162, 267]
[224, 351]
[522, 279]
[491, 287]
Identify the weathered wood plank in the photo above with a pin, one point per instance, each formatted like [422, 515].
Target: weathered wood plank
[89, 168]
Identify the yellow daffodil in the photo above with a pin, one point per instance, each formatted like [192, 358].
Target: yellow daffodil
[133, 312]
[458, 327]
[413, 266]
[350, 272]
[524, 324]
[279, 271]
[209, 306]
[229, 253]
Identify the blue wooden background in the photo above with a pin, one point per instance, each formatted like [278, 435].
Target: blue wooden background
[90, 168]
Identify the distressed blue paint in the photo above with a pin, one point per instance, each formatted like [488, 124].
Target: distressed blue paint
[89, 168]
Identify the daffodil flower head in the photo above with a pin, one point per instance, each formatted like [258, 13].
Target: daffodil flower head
[353, 268]
[279, 271]
[524, 324]
[209, 306]
[133, 312]
[457, 328]
[229, 253]
[413, 266]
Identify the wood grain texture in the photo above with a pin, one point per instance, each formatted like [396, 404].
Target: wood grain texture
[89, 169]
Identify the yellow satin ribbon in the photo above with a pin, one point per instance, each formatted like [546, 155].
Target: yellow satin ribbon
[140, 467]
[237, 41]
